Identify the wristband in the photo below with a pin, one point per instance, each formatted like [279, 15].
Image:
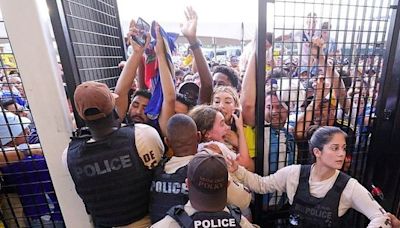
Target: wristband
[195, 45]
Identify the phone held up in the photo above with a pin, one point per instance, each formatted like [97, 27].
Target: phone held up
[233, 124]
[143, 28]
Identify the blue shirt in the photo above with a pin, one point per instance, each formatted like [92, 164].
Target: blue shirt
[7, 95]
[275, 139]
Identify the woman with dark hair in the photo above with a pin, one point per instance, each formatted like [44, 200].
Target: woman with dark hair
[319, 194]
[211, 123]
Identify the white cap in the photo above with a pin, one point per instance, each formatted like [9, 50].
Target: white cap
[290, 90]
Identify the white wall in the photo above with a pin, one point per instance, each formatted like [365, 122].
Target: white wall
[27, 23]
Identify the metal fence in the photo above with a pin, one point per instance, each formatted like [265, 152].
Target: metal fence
[325, 67]
[27, 195]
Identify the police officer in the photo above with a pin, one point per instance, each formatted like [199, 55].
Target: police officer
[168, 187]
[111, 167]
[207, 181]
[319, 194]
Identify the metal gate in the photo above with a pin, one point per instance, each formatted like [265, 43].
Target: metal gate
[326, 66]
[27, 198]
[90, 42]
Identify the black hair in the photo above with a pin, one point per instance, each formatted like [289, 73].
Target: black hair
[181, 135]
[230, 73]
[326, 26]
[278, 73]
[13, 72]
[7, 102]
[311, 14]
[143, 93]
[184, 100]
[179, 72]
[320, 136]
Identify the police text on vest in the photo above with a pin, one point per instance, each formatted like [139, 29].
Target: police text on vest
[215, 223]
[105, 166]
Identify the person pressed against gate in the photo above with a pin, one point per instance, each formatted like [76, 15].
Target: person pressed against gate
[276, 113]
[210, 122]
[212, 125]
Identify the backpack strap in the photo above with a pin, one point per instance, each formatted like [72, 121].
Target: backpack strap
[235, 212]
[179, 214]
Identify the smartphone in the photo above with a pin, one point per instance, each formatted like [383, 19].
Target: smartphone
[233, 124]
[237, 113]
[143, 28]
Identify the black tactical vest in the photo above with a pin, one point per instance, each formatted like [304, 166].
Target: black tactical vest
[309, 211]
[111, 178]
[206, 219]
[167, 190]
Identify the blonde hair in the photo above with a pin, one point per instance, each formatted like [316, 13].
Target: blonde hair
[227, 89]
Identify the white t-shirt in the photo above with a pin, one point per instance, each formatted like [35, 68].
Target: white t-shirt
[286, 180]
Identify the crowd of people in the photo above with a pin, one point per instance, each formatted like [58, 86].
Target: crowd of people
[24, 203]
[174, 144]
[202, 173]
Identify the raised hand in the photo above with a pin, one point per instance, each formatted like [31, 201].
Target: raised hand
[317, 44]
[160, 47]
[238, 119]
[189, 28]
[232, 138]
[322, 87]
[133, 31]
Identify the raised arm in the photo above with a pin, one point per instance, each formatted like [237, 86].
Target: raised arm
[248, 94]
[257, 183]
[304, 120]
[244, 158]
[141, 76]
[333, 77]
[331, 74]
[337, 84]
[128, 73]
[189, 31]
[167, 83]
